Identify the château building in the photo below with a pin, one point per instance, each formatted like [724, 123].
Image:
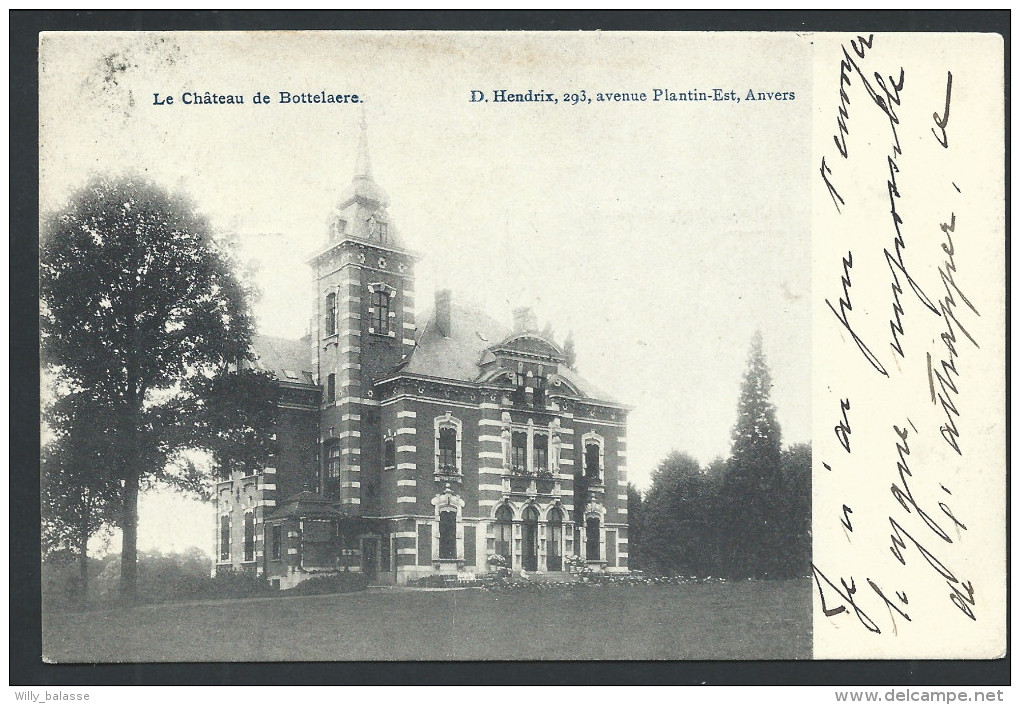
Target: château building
[410, 446]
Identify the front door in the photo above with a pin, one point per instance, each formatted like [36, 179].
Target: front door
[369, 550]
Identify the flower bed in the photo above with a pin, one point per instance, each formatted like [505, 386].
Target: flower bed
[593, 579]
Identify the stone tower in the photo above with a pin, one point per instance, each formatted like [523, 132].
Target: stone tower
[363, 326]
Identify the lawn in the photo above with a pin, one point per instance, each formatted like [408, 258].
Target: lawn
[745, 620]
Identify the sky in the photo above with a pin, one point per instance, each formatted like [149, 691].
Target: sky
[662, 233]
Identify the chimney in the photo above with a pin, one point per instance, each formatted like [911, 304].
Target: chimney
[443, 312]
[524, 319]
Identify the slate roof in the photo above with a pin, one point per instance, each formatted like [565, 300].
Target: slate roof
[311, 505]
[459, 356]
[455, 357]
[287, 359]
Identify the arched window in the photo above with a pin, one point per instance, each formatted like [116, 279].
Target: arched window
[380, 312]
[529, 534]
[554, 540]
[503, 531]
[331, 387]
[448, 535]
[448, 450]
[592, 526]
[330, 314]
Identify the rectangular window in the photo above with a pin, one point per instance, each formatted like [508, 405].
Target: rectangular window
[332, 484]
[448, 450]
[330, 314]
[380, 312]
[225, 538]
[520, 451]
[591, 461]
[541, 452]
[249, 536]
[389, 453]
[384, 231]
[277, 541]
[424, 544]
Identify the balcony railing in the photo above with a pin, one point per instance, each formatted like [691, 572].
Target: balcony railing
[520, 481]
[448, 473]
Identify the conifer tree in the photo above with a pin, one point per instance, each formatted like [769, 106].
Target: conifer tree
[750, 535]
[569, 352]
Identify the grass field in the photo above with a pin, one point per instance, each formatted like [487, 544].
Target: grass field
[747, 620]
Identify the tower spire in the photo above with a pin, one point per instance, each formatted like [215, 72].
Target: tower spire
[363, 165]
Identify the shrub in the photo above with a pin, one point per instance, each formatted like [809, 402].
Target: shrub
[226, 585]
[330, 584]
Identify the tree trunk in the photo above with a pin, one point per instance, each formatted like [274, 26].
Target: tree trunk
[129, 550]
[83, 570]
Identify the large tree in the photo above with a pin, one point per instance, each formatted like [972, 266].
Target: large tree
[137, 294]
[752, 546]
[794, 511]
[677, 536]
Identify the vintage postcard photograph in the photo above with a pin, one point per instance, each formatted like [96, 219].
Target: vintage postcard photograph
[499, 346]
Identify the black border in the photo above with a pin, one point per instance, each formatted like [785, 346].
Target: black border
[25, 634]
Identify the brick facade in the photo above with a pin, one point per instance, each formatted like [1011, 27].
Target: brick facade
[407, 450]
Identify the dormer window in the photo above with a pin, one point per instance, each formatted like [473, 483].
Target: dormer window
[378, 228]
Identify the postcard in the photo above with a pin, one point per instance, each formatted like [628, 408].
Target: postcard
[406, 345]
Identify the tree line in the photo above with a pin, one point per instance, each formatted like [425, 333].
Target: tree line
[745, 516]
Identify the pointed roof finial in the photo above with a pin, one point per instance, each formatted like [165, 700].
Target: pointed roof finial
[363, 165]
[363, 186]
